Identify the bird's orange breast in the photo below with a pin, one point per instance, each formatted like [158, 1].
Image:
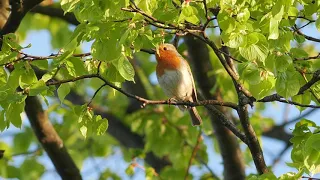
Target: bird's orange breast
[167, 60]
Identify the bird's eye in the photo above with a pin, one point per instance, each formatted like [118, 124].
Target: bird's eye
[165, 48]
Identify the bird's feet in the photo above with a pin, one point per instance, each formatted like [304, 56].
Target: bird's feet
[172, 100]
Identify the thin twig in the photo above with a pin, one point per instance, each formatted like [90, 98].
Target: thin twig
[28, 57]
[94, 95]
[298, 117]
[194, 152]
[299, 28]
[310, 178]
[206, 9]
[288, 102]
[310, 38]
[276, 160]
[315, 78]
[98, 68]
[135, 164]
[308, 58]
[207, 166]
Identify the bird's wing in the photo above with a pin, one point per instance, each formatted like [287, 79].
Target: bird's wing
[194, 91]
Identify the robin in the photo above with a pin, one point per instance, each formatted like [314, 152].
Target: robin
[175, 78]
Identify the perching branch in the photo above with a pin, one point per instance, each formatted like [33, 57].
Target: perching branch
[143, 100]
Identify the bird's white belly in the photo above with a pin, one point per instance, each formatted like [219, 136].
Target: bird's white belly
[176, 84]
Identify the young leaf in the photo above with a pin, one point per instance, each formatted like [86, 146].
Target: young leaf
[63, 91]
[125, 68]
[287, 83]
[13, 113]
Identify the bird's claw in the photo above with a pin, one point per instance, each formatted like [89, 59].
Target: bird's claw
[171, 100]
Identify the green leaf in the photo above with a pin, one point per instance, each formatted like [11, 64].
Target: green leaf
[84, 131]
[63, 57]
[14, 78]
[251, 73]
[13, 113]
[101, 125]
[3, 76]
[76, 37]
[10, 42]
[41, 64]
[291, 176]
[299, 38]
[38, 88]
[298, 53]
[264, 88]
[244, 15]
[150, 173]
[256, 48]
[318, 24]
[149, 6]
[130, 170]
[226, 23]
[265, 176]
[113, 74]
[68, 5]
[125, 68]
[287, 83]
[63, 91]
[125, 36]
[3, 123]
[189, 13]
[31, 169]
[22, 142]
[282, 63]
[234, 40]
[75, 67]
[312, 154]
[105, 50]
[27, 78]
[273, 29]
[302, 99]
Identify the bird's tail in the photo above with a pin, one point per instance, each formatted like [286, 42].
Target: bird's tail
[195, 117]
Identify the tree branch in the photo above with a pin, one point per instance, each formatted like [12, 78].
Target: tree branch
[252, 142]
[19, 8]
[310, 38]
[143, 100]
[276, 97]
[4, 12]
[56, 12]
[122, 133]
[50, 140]
[228, 144]
[117, 129]
[315, 78]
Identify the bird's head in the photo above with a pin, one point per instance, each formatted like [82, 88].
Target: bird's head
[166, 52]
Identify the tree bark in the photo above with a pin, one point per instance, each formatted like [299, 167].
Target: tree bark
[50, 140]
[229, 147]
